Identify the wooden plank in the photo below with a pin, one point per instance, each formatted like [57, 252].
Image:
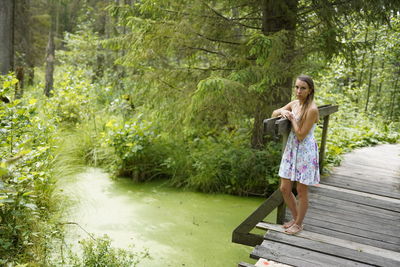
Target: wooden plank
[323, 143]
[355, 192]
[244, 264]
[376, 184]
[354, 229]
[364, 168]
[353, 238]
[352, 217]
[362, 221]
[269, 126]
[336, 241]
[332, 203]
[360, 187]
[356, 197]
[383, 186]
[298, 256]
[331, 249]
[327, 110]
[241, 233]
[370, 176]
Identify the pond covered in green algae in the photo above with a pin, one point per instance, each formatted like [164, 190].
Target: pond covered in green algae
[179, 228]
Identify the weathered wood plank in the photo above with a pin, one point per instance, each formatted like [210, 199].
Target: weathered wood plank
[331, 249]
[362, 221]
[349, 216]
[352, 237]
[354, 229]
[376, 184]
[329, 203]
[297, 256]
[362, 188]
[241, 234]
[336, 241]
[244, 264]
[327, 110]
[356, 197]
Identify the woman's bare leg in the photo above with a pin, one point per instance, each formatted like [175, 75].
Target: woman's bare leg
[302, 196]
[288, 197]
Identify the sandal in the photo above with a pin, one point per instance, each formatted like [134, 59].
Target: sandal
[288, 224]
[294, 229]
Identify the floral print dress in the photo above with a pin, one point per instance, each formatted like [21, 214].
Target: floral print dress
[300, 159]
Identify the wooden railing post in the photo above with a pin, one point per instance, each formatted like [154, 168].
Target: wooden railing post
[323, 143]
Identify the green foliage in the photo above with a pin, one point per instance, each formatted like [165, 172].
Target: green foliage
[72, 98]
[25, 180]
[134, 143]
[99, 253]
[226, 164]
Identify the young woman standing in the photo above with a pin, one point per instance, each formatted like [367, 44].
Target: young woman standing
[300, 158]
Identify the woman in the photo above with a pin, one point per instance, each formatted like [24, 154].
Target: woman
[300, 158]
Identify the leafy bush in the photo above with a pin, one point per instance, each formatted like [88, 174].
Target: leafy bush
[222, 164]
[135, 145]
[25, 180]
[99, 253]
[72, 97]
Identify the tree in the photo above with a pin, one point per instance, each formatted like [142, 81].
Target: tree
[50, 49]
[6, 36]
[240, 56]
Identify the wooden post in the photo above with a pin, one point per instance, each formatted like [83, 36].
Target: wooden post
[323, 143]
[281, 210]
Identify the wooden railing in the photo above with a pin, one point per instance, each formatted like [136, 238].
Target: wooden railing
[278, 127]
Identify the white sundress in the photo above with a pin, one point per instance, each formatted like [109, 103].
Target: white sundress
[300, 160]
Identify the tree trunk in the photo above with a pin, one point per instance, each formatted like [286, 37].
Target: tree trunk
[23, 45]
[50, 49]
[393, 99]
[6, 36]
[360, 78]
[277, 16]
[99, 72]
[50, 56]
[371, 68]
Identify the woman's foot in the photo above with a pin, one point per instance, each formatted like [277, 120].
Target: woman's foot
[288, 224]
[294, 229]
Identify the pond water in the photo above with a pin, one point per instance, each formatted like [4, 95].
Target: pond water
[179, 228]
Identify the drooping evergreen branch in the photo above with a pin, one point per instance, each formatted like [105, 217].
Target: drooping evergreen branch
[206, 50]
[217, 40]
[229, 19]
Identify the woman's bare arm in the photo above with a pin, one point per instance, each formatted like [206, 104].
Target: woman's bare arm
[278, 112]
[311, 118]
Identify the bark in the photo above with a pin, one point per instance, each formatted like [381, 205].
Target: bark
[23, 45]
[277, 16]
[393, 99]
[100, 60]
[360, 78]
[51, 48]
[371, 68]
[50, 57]
[6, 36]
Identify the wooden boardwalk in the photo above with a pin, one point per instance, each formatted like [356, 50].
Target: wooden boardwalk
[353, 217]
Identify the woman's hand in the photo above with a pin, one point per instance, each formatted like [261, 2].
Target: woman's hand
[287, 115]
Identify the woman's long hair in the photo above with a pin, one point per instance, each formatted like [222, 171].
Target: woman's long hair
[307, 79]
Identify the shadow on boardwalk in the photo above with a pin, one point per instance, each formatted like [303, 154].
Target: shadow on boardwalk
[353, 218]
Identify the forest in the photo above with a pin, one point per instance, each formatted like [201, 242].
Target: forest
[175, 90]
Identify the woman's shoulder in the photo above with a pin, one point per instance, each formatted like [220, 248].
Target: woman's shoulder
[313, 112]
[313, 107]
[294, 102]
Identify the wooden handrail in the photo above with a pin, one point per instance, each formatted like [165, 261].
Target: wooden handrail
[275, 127]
